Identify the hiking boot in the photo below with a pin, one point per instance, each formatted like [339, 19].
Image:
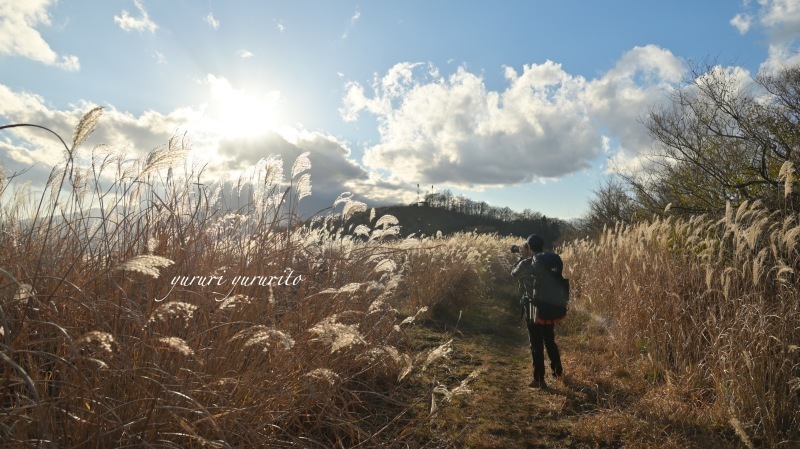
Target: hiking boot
[537, 384]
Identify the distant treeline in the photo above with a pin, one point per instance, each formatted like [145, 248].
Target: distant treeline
[447, 213]
[463, 205]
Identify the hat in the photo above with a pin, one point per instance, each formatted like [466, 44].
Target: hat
[535, 242]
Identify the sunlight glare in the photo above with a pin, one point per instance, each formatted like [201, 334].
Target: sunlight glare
[239, 113]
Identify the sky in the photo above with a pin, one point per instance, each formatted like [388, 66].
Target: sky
[524, 104]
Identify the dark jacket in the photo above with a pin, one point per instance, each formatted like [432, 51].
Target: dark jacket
[540, 278]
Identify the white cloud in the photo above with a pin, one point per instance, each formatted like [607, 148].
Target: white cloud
[18, 34]
[17, 153]
[454, 131]
[353, 19]
[279, 26]
[160, 58]
[780, 56]
[333, 170]
[244, 54]
[119, 129]
[130, 23]
[780, 21]
[742, 22]
[622, 96]
[780, 13]
[547, 123]
[212, 21]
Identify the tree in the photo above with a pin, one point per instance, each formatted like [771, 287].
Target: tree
[723, 137]
[611, 204]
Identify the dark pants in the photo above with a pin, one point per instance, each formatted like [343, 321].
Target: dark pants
[543, 336]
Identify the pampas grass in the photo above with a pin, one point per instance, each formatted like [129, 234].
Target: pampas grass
[145, 264]
[787, 173]
[104, 346]
[713, 306]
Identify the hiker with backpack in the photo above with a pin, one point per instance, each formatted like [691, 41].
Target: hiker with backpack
[544, 303]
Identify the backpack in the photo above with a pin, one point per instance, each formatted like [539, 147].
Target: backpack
[551, 294]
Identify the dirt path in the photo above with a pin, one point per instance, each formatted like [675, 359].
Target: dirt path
[597, 403]
[504, 412]
[501, 411]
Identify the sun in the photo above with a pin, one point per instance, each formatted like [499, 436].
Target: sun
[238, 113]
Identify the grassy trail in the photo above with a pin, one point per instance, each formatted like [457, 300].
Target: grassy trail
[597, 403]
[502, 411]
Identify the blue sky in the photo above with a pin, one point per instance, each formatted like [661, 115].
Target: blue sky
[520, 104]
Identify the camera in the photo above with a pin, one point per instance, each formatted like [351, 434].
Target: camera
[515, 249]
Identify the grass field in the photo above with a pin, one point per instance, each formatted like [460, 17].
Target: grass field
[142, 306]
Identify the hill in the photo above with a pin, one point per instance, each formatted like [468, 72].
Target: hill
[427, 220]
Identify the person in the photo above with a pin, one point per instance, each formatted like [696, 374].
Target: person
[531, 271]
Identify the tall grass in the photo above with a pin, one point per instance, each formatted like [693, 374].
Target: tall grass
[462, 268]
[121, 325]
[712, 307]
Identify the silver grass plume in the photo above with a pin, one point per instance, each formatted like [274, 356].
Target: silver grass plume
[408, 366]
[344, 197]
[386, 265]
[177, 344]
[24, 292]
[391, 231]
[231, 302]
[386, 220]
[160, 158]
[337, 335]
[442, 351]
[461, 389]
[361, 230]
[102, 340]
[264, 336]
[347, 288]
[21, 192]
[176, 310]
[273, 171]
[352, 207]
[787, 172]
[53, 181]
[737, 427]
[790, 238]
[301, 164]
[303, 186]
[381, 353]
[794, 385]
[741, 211]
[324, 374]
[410, 243]
[146, 264]
[86, 126]
[411, 319]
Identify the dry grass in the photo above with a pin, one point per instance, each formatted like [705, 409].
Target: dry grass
[121, 325]
[459, 269]
[711, 308]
